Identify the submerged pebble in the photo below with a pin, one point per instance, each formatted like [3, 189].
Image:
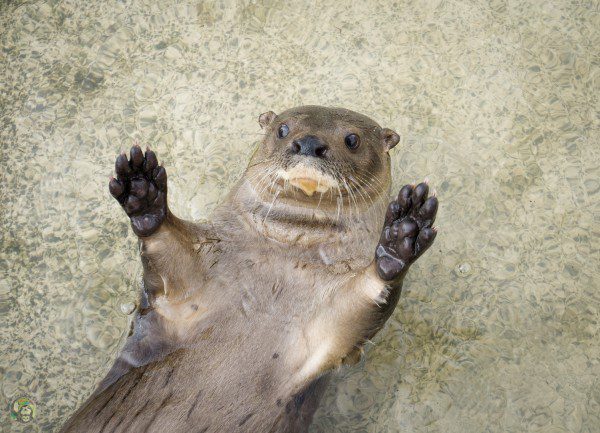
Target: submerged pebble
[127, 308]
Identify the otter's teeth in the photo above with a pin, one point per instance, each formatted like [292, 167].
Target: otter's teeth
[309, 186]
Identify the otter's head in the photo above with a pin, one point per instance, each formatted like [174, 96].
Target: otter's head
[318, 156]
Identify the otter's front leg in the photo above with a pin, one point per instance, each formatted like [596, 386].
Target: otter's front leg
[167, 244]
[358, 310]
[407, 233]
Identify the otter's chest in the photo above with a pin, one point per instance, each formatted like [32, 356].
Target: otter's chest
[271, 280]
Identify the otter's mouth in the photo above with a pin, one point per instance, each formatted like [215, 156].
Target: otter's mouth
[308, 179]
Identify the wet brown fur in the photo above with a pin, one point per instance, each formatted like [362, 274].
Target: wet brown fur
[241, 318]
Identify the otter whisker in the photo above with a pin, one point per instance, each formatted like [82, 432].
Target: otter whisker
[364, 196]
[319, 203]
[367, 183]
[370, 177]
[352, 201]
[380, 186]
[380, 191]
[259, 179]
[256, 163]
[267, 185]
[271, 206]
[340, 203]
[261, 183]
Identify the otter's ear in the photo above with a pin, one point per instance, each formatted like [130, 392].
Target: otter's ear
[266, 119]
[389, 138]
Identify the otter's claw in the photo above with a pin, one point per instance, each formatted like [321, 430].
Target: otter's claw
[407, 231]
[141, 189]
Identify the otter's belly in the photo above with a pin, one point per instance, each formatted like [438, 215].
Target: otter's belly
[234, 379]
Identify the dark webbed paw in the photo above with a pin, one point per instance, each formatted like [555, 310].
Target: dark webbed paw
[141, 189]
[407, 231]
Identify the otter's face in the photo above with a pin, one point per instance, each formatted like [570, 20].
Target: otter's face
[317, 154]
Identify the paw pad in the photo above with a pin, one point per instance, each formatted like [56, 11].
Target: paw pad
[407, 232]
[141, 189]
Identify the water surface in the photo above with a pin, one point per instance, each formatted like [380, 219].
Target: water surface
[496, 102]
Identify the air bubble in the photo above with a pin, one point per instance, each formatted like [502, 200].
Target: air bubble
[464, 269]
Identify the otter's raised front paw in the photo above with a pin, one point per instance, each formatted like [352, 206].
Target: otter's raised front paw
[141, 189]
[407, 231]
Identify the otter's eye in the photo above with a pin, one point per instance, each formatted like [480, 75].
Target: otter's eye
[352, 141]
[283, 131]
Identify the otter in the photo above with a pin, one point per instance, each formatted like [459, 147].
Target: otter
[241, 319]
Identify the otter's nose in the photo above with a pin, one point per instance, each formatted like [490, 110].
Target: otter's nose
[309, 146]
